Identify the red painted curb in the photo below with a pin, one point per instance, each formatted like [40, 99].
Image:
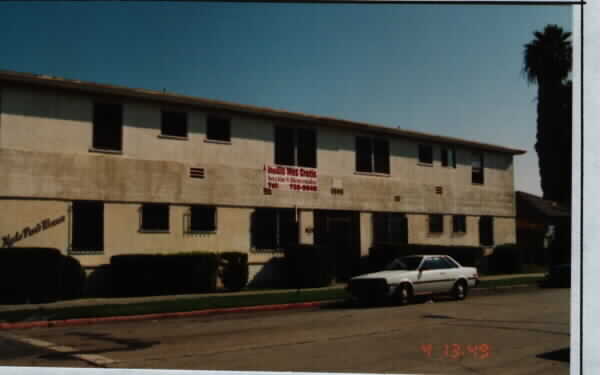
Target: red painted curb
[125, 318]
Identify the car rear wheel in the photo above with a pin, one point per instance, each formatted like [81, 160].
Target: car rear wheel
[404, 294]
[460, 290]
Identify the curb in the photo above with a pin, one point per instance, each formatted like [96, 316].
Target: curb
[195, 313]
[128, 318]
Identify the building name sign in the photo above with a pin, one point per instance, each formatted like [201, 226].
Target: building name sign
[291, 178]
[9, 240]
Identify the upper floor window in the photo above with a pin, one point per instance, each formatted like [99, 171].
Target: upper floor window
[426, 154]
[154, 217]
[448, 157]
[174, 124]
[107, 127]
[477, 168]
[218, 129]
[372, 155]
[296, 146]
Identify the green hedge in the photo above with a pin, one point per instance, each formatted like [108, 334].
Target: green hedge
[309, 266]
[382, 254]
[233, 270]
[38, 275]
[161, 274]
[507, 259]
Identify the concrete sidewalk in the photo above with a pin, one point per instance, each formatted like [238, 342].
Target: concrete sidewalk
[131, 300]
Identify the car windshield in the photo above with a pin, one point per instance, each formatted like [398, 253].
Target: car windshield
[404, 263]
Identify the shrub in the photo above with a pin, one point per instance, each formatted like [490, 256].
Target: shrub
[159, 274]
[309, 266]
[233, 270]
[38, 275]
[382, 254]
[507, 259]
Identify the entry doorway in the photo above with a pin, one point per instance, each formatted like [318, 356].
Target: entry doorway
[339, 232]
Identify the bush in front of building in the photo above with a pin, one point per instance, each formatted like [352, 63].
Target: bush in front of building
[382, 254]
[161, 274]
[507, 259]
[233, 270]
[309, 266]
[38, 275]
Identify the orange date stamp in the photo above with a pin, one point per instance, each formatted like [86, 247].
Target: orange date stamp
[457, 351]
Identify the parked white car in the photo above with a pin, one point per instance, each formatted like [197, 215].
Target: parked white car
[413, 275]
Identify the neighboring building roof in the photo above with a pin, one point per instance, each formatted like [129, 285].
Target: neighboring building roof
[541, 206]
[102, 89]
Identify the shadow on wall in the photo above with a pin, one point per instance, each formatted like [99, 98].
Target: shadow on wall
[268, 275]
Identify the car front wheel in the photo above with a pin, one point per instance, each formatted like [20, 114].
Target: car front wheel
[404, 294]
[460, 290]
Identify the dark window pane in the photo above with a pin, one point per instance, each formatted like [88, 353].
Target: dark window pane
[445, 157]
[202, 218]
[380, 228]
[174, 123]
[87, 226]
[155, 217]
[218, 129]
[284, 146]
[436, 223]
[264, 226]
[288, 228]
[426, 154]
[381, 150]
[459, 223]
[477, 168]
[108, 121]
[398, 228]
[307, 148]
[486, 230]
[363, 154]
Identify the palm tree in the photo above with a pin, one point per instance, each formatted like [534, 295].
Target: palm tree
[547, 62]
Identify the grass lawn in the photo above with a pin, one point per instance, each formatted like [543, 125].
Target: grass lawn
[204, 302]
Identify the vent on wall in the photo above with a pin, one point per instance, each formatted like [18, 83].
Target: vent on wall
[197, 172]
[438, 190]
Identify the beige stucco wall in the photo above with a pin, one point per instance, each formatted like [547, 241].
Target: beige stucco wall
[156, 169]
[17, 215]
[418, 231]
[306, 223]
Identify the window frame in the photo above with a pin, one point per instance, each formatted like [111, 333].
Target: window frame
[419, 154]
[432, 229]
[295, 130]
[209, 228]
[447, 151]
[459, 221]
[143, 229]
[96, 122]
[220, 118]
[277, 231]
[169, 111]
[372, 155]
[477, 171]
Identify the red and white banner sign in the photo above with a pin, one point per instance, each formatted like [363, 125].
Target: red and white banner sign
[291, 178]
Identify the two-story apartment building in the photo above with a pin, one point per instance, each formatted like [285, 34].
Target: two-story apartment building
[97, 170]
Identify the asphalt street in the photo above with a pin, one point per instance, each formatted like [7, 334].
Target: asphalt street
[519, 333]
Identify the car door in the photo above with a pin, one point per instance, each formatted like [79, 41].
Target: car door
[449, 273]
[429, 278]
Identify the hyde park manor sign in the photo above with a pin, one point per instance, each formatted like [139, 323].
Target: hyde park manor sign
[8, 240]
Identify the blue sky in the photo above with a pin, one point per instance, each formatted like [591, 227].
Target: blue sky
[445, 69]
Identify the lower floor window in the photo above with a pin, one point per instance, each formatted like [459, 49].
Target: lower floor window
[390, 227]
[202, 219]
[87, 226]
[273, 228]
[154, 217]
[459, 224]
[436, 223]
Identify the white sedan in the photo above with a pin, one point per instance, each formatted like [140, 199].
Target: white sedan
[413, 275]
